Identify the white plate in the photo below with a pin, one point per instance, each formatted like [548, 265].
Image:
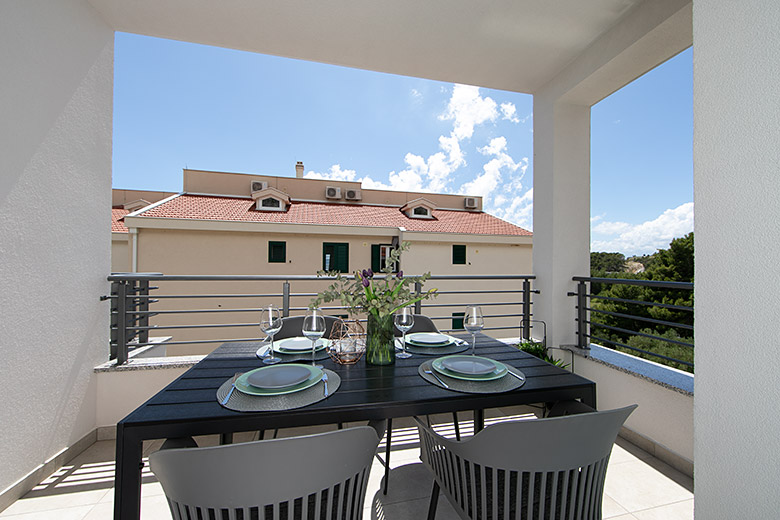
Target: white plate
[279, 376]
[428, 338]
[469, 365]
[298, 343]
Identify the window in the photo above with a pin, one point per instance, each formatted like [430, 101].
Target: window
[335, 257]
[277, 252]
[421, 211]
[380, 253]
[457, 320]
[458, 254]
[271, 202]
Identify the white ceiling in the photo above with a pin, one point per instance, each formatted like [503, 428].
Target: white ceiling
[517, 45]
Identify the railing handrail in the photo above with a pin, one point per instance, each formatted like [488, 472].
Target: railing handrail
[158, 277]
[658, 284]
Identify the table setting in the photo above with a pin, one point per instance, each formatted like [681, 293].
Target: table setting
[431, 344]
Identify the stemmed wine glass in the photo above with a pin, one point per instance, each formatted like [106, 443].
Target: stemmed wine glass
[270, 324]
[473, 322]
[404, 320]
[314, 328]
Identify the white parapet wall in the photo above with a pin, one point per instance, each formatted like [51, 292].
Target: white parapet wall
[122, 389]
[663, 422]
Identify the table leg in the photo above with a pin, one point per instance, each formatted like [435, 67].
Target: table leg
[590, 397]
[226, 438]
[127, 477]
[387, 455]
[479, 421]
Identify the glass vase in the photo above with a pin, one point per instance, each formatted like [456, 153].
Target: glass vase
[380, 347]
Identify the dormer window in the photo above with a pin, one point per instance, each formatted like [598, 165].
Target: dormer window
[271, 199]
[419, 208]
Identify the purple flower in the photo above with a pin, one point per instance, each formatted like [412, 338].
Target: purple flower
[400, 275]
[370, 273]
[364, 273]
[365, 282]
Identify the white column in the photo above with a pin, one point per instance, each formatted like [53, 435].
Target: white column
[736, 145]
[561, 212]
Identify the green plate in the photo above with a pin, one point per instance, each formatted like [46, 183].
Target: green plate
[243, 386]
[500, 371]
[299, 352]
[411, 341]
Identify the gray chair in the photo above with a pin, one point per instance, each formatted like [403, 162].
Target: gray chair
[532, 469]
[322, 476]
[292, 326]
[422, 323]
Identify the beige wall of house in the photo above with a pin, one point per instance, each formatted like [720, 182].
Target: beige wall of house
[120, 252]
[193, 251]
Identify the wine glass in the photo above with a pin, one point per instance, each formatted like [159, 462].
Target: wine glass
[314, 328]
[404, 320]
[270, 324]
[473, 322]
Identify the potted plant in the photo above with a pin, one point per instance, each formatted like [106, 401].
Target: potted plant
[378, 297]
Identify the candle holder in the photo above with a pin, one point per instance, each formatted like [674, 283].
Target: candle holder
[347, 342]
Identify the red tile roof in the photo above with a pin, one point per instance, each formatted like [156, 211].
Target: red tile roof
[117, 225]
[203, 207]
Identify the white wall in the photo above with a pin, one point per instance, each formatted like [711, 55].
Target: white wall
[56, 60]
[736, 93]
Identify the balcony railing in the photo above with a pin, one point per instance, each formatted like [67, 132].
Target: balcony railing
[612, 321]
[137, 308]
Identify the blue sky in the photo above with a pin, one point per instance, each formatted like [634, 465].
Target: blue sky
[179, 105]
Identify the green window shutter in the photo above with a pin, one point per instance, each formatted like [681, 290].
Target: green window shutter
[375, 258]
[458, 254]
[457, 320]
[277, 252]
[335, 257]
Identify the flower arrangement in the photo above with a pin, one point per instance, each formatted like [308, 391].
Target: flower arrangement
[371, 294]
[378, 297]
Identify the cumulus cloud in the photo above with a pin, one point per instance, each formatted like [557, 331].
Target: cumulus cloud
[509, 112]
[646, 237]
[334, 173]
[518, 209]
[467, 109]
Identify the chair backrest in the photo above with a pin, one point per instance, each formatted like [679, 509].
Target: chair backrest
[422, 323]
[322, 476]
[534, 469]
[292, 326]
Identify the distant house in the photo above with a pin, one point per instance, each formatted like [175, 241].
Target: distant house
[231, 223]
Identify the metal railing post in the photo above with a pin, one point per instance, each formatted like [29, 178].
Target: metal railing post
[526, 309]
[143, 306]
[582, 340]
[418, 293]
[114, 338]
[286, 299]
[121, 323]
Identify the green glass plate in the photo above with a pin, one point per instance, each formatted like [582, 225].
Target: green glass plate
[243, 386]
[499, 372]
[411, 341]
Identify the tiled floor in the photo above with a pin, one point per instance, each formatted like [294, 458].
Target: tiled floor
[638, 487]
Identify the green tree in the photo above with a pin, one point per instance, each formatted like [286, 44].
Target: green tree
[606, 263]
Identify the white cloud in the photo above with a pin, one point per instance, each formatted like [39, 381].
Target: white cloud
[468, 109]
[416, 94]
[334, 173]
[495, 147]
[519, 211]
[648, 236]
[509, 112]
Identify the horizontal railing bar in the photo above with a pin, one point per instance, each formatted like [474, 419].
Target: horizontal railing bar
[292, 277]
[431, 305]
[195, 311]
[658, 284]
[635, 333]
[640, 318]
[171, 296]
[200, 341]
[640, 302]
[207, 326]
[687, 363]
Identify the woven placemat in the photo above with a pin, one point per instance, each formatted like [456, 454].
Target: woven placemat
[433, 351]
[241, 402]
[505, 384]
[291, 358]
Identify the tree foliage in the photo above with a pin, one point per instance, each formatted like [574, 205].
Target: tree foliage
[607, 262]
[610, 308]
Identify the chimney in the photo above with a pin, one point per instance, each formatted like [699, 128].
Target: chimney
[299, 169]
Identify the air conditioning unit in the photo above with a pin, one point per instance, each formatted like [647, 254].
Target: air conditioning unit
[332, 192]
[470, 202]
[259, 186]
[353, 195]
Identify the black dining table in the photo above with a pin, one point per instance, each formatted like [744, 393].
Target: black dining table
[189, 407]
